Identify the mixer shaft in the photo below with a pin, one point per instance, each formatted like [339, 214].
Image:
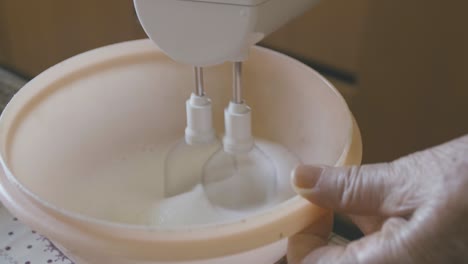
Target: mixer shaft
[199, 82]
[237, 83]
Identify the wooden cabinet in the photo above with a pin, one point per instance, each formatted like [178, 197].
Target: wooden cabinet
[413, 81]
[409, 58]
[37, 34]
[331, 33]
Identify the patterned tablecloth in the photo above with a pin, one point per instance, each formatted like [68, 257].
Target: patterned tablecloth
[21, 245]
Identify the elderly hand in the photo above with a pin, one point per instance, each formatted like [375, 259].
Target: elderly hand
[412, 210]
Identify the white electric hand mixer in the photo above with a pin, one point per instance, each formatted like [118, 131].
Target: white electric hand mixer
[239, 175]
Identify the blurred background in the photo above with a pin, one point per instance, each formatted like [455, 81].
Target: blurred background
[401, 65]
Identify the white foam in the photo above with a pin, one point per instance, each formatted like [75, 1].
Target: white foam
[130, 190]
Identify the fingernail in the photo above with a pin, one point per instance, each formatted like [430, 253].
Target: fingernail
[306, 177]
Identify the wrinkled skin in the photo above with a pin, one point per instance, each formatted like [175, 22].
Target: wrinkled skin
[412, 210]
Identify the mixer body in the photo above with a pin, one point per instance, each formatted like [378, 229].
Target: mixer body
[211, 32]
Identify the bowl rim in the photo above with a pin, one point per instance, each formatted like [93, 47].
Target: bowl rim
[120, 51]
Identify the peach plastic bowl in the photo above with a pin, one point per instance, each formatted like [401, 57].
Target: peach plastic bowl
[84, 110]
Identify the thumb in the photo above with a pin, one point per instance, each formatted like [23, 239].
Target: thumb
[355, 190]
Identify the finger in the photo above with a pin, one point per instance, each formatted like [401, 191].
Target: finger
[362, 190]
[382, 247]
[308, 240]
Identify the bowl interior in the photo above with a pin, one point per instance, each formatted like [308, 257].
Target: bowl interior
[82, 140]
